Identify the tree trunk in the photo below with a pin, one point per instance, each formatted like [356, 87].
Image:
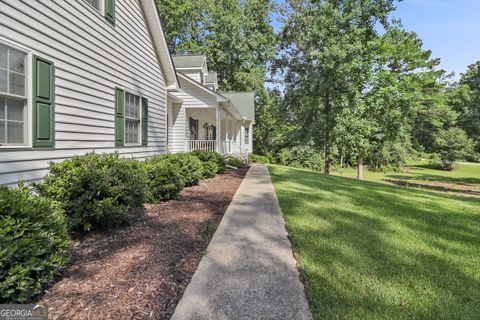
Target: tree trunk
[360, 166]
[327, 134]
[342, 157]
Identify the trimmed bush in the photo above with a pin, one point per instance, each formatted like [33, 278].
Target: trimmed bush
[213, 162]
[33, 244]
[258, 159]
[234, 162]
[301, 157]
[96, 191]
[189, 167]
[164, 179]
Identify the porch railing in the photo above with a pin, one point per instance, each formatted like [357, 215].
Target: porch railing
[226, 146]
[204, 145]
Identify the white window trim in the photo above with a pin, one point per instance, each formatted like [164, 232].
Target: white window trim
[100, 10]
[140, 113]
[28, 119]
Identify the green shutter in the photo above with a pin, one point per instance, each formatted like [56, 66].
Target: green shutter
[144, 121]
[119, 117]
[110, 10]
[43, 103]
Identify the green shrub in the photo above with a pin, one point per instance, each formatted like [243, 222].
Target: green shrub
[164, 179]
[258, 159]
[213, 162]
[234, 162]
[452, 145]
[189, 167]
[389, 157]
[301, 157]
[33, 244]
[96, 191]
[474, 157]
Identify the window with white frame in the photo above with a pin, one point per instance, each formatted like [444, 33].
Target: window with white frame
[132, 119]
[13, 96]
[94, 3]
[247, 135]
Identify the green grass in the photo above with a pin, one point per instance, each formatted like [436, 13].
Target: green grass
[421, 171]
[368, 250]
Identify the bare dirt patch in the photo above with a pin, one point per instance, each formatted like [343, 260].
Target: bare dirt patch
[465, 188]
[141, 271]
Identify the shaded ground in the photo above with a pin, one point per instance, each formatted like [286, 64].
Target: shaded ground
[141, 271]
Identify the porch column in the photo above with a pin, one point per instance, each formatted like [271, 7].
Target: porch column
[219, 129]
[227, 132]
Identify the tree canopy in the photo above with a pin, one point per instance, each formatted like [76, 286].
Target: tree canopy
[351, 83]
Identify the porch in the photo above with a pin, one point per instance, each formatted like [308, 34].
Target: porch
[206, 128]
[212, 129]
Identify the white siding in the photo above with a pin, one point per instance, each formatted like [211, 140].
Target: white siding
[193, 97]
[91, 58]
[247, 143]
[194, 74]
[203, 116]
[177, 129]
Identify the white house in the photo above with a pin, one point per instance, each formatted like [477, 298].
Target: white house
[80, 76]
[201, 118]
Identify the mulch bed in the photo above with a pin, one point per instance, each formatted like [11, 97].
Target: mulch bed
[141, 271]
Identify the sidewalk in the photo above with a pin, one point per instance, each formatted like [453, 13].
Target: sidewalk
[248, 271]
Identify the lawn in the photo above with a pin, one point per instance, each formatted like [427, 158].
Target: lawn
[370, 250]
[464, 179]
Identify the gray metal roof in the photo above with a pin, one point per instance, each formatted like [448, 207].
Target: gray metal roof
[243, 101]
[189, 61]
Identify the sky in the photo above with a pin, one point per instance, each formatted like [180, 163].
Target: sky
[450, 28]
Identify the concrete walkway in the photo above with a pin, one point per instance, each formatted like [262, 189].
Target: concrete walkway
[248, 271]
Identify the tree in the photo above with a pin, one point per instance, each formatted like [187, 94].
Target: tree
[184, 23]
[325, 47]
[236, 36]
[271, 123]
[452, 145]
[469, 107]
[403, 80]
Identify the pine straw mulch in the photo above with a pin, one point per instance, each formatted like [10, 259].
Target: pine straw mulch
[141, 271]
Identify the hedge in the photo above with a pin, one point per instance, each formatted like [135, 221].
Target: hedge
[213, 162]
[33, 244]
[234, 162]
[188, 166]
[164, 179]
[96, 190]
[258, 159]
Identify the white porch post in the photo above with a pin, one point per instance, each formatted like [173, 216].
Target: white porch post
[219, 129]
[185, 138]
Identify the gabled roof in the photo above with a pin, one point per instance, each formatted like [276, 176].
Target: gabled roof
[220, 98]
[211, 77]
[244, 102]
[154, 24]
[189, 61]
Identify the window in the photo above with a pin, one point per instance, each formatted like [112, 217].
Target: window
[247, 135]
[13, 97]
[132, 119]
[94, 3]
[193, 129]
